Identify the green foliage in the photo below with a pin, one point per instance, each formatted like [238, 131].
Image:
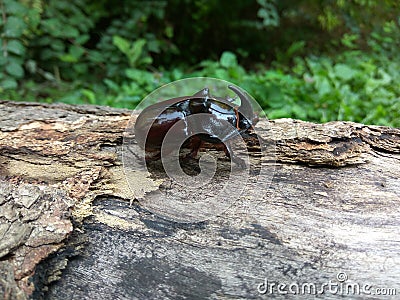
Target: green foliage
[131, 34]
[133, 52]
[268, 13]
[12, 48]
[354, 88]
[313, 60]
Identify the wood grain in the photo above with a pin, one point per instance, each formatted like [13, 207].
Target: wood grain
[71, 227]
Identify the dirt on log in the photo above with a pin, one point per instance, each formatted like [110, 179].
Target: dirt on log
[71, 228]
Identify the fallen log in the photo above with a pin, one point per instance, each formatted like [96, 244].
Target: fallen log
[71, 227]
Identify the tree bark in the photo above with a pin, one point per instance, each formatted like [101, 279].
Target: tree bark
[71, 227]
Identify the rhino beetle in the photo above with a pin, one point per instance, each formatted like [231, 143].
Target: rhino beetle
[154, 122]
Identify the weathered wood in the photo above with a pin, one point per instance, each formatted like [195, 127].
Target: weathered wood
[332, 207]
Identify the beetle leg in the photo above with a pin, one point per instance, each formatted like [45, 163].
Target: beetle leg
[226, 151]
[195, 145]
[237, 117]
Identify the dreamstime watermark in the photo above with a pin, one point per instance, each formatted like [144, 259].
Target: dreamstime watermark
[339, 286]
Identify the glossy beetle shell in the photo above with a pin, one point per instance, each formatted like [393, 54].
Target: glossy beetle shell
[155, 121]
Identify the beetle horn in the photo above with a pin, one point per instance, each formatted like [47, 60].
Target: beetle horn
[245, 105]
[202, 93]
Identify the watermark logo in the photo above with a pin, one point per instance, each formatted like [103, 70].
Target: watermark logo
[341, 276]
[341, 285]
[209, 114]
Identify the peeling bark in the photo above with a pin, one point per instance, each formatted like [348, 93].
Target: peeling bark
[333, 206]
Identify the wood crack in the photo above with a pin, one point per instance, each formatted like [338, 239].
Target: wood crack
[56, 160]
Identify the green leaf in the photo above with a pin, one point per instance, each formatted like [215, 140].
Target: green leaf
[34, 17]
[268, 13]
[136, 51]
[68, 58]
[52, 26]
[344, 72]
[121, 43]
[140, 76]
[8, 84]
[349, 40]
[58, 45]
[15, 8]
[72, 98]
[228, 59]
[81, 68]
[169, 31]
[3, 60]
[295, 47]
[16, 47]
[112, 85]
[279, 113]
[14, 69]
[76, 51]
[82, 39]
[154, 46]
[89, 95]
[274, 96]
[323, 86]
[49, 76]
[43, 41]
[222, 74]
[31, 66]
[47, 54]
[96, 56]
[385, 77]
[69, 32]
[299, 112]
[146, 60]
[177, 74]
[14, 27]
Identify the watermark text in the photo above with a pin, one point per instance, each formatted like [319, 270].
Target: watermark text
[340, 286]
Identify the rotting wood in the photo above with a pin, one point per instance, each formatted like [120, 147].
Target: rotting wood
[333, 207]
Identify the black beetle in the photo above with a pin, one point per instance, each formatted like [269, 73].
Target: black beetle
[155, 121]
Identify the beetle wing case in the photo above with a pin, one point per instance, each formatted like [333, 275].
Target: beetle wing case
[155, 121]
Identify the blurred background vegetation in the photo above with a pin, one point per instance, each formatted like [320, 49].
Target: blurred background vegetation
[316, 60]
